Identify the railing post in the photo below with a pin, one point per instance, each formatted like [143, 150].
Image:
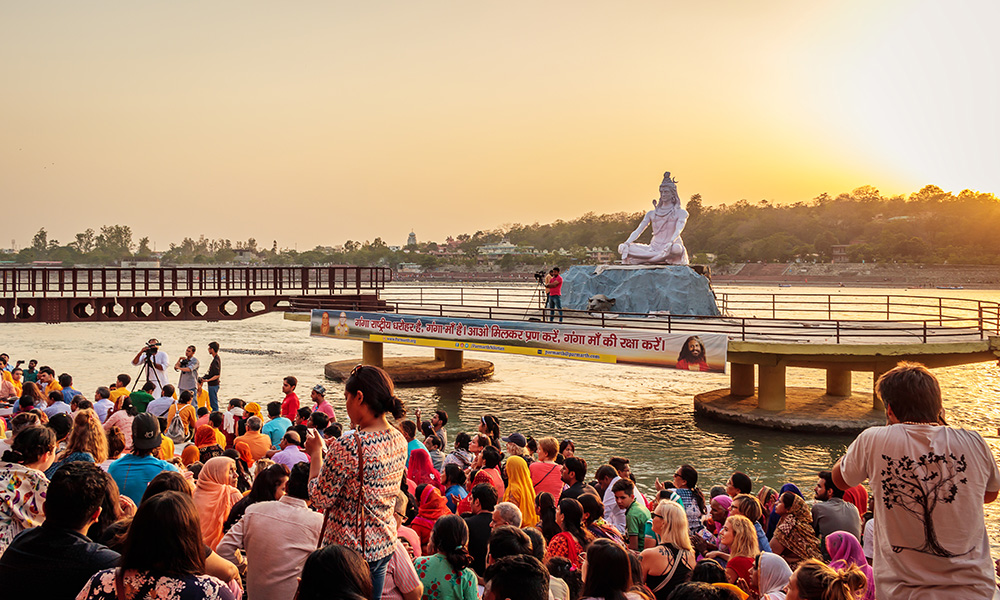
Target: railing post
[925, 331]
[838, 330]
[773, 310]
[940, 313]
[887, 297]
[981, 333]
[743, 328]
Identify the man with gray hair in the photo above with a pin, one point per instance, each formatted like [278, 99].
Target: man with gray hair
[259, 443]
[291, 452]
[506, 513]
[102, 403]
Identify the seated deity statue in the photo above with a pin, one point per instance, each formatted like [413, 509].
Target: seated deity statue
[668, 220]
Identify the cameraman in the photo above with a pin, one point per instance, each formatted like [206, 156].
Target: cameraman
[554, 285]
[188, 366]
[158, 361]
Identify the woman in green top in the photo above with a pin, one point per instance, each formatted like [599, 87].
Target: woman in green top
[446, 574]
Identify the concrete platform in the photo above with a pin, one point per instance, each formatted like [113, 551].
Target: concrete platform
[806, 409]
[418, 370]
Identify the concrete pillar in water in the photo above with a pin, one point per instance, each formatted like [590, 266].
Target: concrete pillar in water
[453, 359]
[771, 387]
[371, 353]
[741, 380]
[838, 382]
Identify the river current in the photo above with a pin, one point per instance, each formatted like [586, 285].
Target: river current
[639, 412]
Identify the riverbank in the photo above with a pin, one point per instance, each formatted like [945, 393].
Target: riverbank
[864, 275]
[793, 274]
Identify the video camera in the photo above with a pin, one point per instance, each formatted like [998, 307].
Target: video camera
[151, 349]
[540, 277]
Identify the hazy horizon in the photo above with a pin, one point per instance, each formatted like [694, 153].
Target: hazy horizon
[318, 122]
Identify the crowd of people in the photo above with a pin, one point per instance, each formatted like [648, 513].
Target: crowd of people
[156, 493]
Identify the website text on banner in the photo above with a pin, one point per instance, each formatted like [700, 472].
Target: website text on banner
[699, 353]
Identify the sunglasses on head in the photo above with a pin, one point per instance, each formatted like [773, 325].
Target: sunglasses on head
[356, 370]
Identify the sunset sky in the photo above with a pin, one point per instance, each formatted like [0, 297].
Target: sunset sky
[316, 122]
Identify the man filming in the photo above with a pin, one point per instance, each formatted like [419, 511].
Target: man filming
[156, 371]
[188, 366]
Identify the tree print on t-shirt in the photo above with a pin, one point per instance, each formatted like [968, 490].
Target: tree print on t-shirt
[918, 486]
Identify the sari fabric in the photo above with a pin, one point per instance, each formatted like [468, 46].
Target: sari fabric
[214, 498]
[520, 491]
[773, 576]
[795, 532]
[774, 517]
[845, 550]
[421, 470]
[432, 507]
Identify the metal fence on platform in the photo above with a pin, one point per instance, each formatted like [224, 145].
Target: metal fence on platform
[826, 318]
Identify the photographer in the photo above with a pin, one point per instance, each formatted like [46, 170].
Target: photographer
[188, 367]
[554, 286]
[158, 361]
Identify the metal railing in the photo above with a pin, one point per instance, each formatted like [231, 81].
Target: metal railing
[107, 282]
[817, 318]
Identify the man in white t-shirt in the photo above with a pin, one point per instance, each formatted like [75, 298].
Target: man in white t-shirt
[157, 372]
[930, 482]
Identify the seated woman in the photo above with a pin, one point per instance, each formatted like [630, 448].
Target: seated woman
[23, 482]
[739, 535]
[769, 576]
[845, 550]
[431, 506]
[606, 571]
[269, 485]
[749, 507]
[520, 490]
[447, 571]
[573, 539]
[172, 568]
[794, 538]
[593, 517]
[671, 562]
[207, 443]
[87, 442]
[339, 564]
[815, 581]
[215, 496]
[454, 485]
[545, 506]
[122, 419]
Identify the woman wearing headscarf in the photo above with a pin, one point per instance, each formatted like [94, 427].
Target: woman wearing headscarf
[767, 497]
[431, 507]
[214, 495]
[845, 550]
[207, 443]
[421, 470]
[858, 496]
[774, 517]
[252, 409]
[770, 575]
[794, 538]
[243, 478]
[190, 455]
[520, 491]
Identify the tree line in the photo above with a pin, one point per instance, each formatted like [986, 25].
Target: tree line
[928, 226]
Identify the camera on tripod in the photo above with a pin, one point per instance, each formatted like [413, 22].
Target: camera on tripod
[152, 349]
[540, 277]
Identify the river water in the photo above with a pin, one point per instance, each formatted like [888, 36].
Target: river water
[639, 412]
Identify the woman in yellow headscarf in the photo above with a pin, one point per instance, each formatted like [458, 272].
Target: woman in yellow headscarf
[519, 490]
[252, 409]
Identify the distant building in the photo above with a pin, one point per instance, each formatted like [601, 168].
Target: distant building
[410, 268]
[601, 256]
[411, 240]
[839, 252]
[140, 264]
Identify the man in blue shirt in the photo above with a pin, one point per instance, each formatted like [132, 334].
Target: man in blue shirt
[277, 425]
[133, 472]
[66, 381]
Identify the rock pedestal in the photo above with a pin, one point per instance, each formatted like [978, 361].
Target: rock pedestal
[677, 289]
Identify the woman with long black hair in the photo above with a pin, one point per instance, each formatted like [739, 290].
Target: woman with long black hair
[574, 537]
[171, 567]
[447, 570]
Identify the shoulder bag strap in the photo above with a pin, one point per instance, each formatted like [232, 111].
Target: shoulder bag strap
[120, 584]
[670, 574]
[361, 488]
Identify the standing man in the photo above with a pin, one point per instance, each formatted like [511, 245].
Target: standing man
[930, 483]
[211, 379]
[188, 367]
[574, 474]
[158, 361]
[318, 396]
[554, 286]
[290, 404]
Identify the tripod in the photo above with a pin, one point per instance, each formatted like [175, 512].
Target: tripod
[542, 302]
[147, 368]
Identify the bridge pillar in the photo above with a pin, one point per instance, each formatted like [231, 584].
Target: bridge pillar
[371, 353]
[771, 387]
[741, 380]
[453, 359]
[838, 382]
[880, 369]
